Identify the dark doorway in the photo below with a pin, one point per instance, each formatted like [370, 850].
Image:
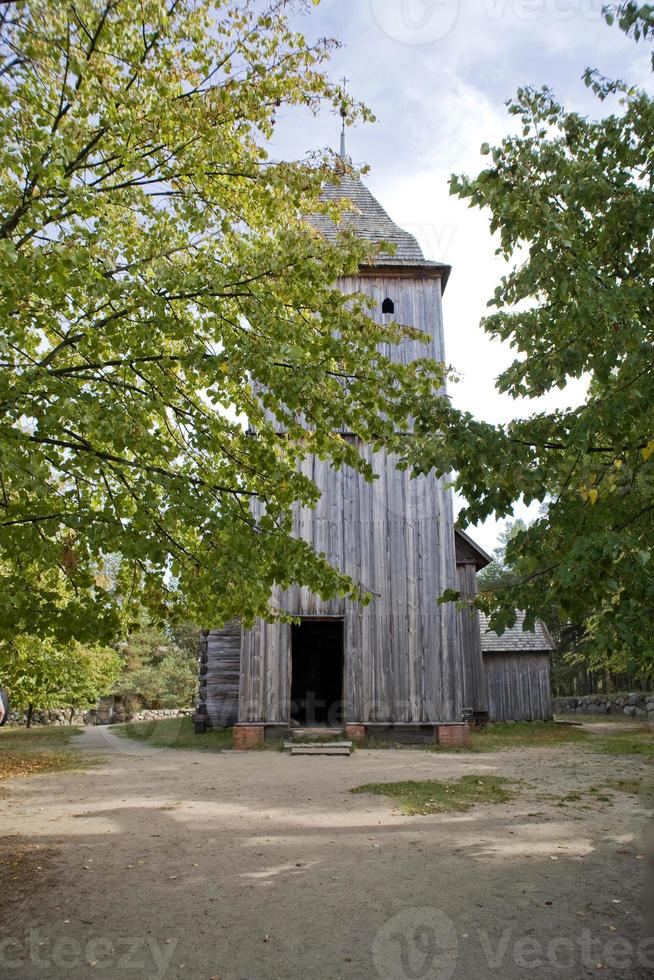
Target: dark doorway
[317, 673]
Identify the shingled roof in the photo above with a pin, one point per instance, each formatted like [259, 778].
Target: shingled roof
[469, 552]
[370, 222]
[515, 639]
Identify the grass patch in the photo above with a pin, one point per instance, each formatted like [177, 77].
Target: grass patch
[429, 796]
[42, 737]
[375, 742]
[174, 733]
[604, 793]
[524, 734]
[29, 751]
[495, 737]
[633, 742]
[599, 793]
[500, 736]
[580, 799]
[631, 787]
[584, 719]
[32, 763]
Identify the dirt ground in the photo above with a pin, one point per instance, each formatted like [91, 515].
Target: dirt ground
[259, 866]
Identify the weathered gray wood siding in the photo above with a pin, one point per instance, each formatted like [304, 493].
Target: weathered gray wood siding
[474, 679]
[519, 686]
[220, 656]
[417, 304]
[395, 536]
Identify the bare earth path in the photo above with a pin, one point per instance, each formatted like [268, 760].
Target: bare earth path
[258, 866]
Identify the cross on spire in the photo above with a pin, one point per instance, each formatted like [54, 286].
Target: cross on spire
[344, 82]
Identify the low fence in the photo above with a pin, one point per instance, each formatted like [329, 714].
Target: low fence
[632, 705]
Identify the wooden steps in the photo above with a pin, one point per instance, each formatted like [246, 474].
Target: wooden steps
[317, 733]
[319, 748]
[318, 741]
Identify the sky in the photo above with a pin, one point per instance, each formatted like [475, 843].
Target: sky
[437, 75]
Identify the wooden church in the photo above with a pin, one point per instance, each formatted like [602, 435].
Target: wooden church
[404, 667]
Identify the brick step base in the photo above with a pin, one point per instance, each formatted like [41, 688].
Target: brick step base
[452, 734]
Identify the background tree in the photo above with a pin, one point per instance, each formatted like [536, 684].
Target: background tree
[572, 203]
[155, 271]
[572, 660]
[160, 666]
[40, 675]
[499, 574]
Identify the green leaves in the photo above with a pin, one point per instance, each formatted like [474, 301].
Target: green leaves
[159, 288]
[572, 200]
[41, 674]
[635, 19]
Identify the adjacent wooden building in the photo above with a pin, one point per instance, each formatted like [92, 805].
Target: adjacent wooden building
[517, 666]
[404, 666]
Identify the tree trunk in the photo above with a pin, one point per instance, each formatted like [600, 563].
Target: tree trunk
[30, 715]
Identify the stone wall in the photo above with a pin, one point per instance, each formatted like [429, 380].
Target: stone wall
[57, 716]
[53, 716]
[151, 714]
[631, 705]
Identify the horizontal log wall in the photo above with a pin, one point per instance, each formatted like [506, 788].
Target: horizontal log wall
[220, 660]
[518, 686]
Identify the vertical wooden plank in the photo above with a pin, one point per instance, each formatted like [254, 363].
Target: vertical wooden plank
[518, 686]
[402, 653]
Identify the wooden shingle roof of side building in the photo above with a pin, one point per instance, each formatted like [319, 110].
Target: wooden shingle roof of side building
[516, 639]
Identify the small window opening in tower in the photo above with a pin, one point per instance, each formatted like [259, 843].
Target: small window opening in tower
[388, 306]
